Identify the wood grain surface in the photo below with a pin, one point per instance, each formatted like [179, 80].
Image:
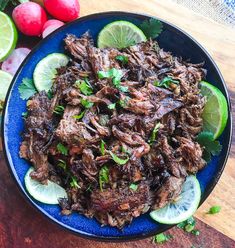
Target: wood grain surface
[23, 226]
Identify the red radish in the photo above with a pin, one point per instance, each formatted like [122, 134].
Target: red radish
[29, 17]
[12, 63]
[49, 30]
[64, 10]
[52, 22]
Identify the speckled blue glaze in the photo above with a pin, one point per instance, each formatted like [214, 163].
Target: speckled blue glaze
[171, 39]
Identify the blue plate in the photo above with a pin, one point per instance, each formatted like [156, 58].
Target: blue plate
[171, 39]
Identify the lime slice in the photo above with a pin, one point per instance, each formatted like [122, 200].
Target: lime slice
[215, 114]
[120, 34]
[45, 70]
[5, 81]
[48, 194]
[184, 207]
[8, 36]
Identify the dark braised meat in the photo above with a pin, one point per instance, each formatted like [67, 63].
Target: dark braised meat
[119, 144]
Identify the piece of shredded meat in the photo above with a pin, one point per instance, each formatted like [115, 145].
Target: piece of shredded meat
[123, 151]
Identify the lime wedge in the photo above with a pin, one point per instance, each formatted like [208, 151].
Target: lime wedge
[48, 194]
[5, 81]
[8, 36]
[215, 114]
[120, 34]
[184, 207]
[45, 70]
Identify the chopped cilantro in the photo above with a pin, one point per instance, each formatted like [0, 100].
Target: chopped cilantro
[133, 186]
[112, 106]
[84, 87]
[211, 146]
[62, 149]
[27, 89]
[117, 159]
[103, 176]
[59, 110]
[162, 238]
[165, 82]
[25, 114]
[62, 164]
[78, 117]
[74, 182]
[123, 103]
[50, 94]
[102, 147]
[195, 232]
[151, 28]
[122, 58]
[86, 103]
[154, 133]
[214, 210]
[189, 225]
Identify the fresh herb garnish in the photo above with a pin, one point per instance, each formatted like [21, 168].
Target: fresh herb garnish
[133, 186]
[165, 82]
[59, 110]
[62, 149]
[162, 238]
[103, 176]
[25, 114]
[74, 182]
[86, 103]
[50, 94]
[151, 28]
[211, 146]
[112, 106]
[154, 133]
[195, 232]
[62, 164]
[4, 3]
[115, 75]
[27, 89]
[102, 147]
[84, 87]
[214, 210]
[123, 103]
[78, 117]
[189, 225]
[118, 160]
[122, 58]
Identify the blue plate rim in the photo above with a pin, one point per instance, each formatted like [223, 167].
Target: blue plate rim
[11, 166]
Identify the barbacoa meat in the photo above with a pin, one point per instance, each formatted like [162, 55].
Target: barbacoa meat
[114, 163]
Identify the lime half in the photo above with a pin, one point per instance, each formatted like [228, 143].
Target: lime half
[184, 207]
[8, 36]
[5, 81]
[215, 114]
[48, 194]
[45, 71]
[120, 34]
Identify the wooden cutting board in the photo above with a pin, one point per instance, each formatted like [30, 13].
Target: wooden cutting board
[220, 42]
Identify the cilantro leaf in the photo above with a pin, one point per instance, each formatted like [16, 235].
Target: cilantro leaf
[165, 82]
[118, 160]
[122, 58]
[62, 164]
[25, 114]
[27, 89]
[214, 210]
[133, 186]
[59, 110]
[103, 176]
[86, 103]
[62, 149]
[151, 28]
[154, 133]
[195, 232]
[112, 106]
[123, 103]
[162, 238]
[84, 87]
[211, 146]
[189, 225]
[74, 182]
[78, 117]
[102, 147]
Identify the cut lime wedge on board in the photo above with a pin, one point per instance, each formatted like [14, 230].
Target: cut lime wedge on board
[8, 36]
[184, 207]
[120, 34]
[45, 71]
[48, 194]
